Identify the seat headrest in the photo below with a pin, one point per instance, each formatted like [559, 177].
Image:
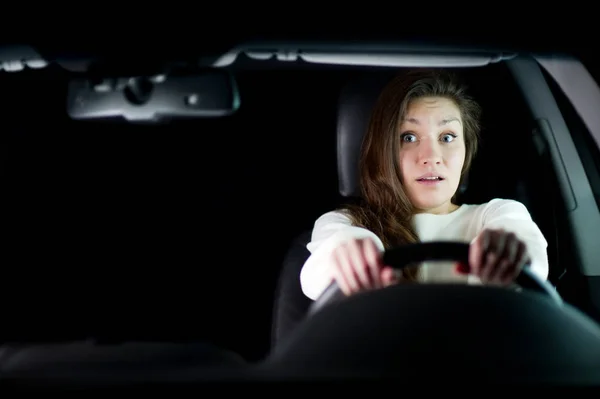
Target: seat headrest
[356, 101]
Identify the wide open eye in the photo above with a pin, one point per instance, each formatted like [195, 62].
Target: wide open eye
[408, 138]
[448, 137]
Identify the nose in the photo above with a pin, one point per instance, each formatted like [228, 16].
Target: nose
[430, 153]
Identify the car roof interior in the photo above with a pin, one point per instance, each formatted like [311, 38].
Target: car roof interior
[128, 215]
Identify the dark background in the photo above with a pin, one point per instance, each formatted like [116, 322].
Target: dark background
[176, 231]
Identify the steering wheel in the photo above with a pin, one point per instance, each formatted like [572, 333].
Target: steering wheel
[400, 257]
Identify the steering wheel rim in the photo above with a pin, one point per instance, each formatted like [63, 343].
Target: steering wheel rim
[402, 256]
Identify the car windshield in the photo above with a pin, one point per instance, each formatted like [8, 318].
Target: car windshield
[179, 230]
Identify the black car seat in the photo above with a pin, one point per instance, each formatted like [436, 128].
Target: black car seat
[519, 179]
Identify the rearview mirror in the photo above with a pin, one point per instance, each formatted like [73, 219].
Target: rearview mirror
[206, 94]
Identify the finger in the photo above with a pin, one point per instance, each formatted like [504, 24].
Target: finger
[510, 267]
[521, 258]
[358, 263]
[489, 255]
[503, 274]
[476, 253]
[497, 257]
[374, 262]
[507, 273]
[512, 247]
[489, 260]
[339, 277]
[388, 277]
[348, 270]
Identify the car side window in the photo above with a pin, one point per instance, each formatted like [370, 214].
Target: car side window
[586, 146]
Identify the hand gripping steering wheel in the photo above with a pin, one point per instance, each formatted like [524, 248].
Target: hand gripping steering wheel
[402, 256]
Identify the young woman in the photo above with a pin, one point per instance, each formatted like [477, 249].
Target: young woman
[420, 142]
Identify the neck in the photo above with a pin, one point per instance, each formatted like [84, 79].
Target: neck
[444, 209]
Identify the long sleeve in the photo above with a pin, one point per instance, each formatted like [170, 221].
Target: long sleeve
[330, 230]
[514, 217]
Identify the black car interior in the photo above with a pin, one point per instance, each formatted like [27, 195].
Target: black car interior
[132, 232]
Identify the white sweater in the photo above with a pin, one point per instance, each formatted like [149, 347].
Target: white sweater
[462, 225]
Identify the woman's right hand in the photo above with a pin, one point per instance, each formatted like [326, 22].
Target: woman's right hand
[358, 266]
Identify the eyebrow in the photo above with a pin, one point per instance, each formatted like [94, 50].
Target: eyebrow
[442, 122]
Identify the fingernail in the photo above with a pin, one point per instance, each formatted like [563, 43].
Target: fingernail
[462, 268]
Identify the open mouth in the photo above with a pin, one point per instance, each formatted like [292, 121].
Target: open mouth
[430, 179]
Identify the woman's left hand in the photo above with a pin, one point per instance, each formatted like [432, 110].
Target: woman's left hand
[496, 257]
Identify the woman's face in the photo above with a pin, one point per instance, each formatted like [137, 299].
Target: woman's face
[432, 153]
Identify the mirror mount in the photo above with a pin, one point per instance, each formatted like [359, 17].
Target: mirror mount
[206, 93]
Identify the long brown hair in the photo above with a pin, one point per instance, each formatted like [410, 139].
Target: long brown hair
[384, 207]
